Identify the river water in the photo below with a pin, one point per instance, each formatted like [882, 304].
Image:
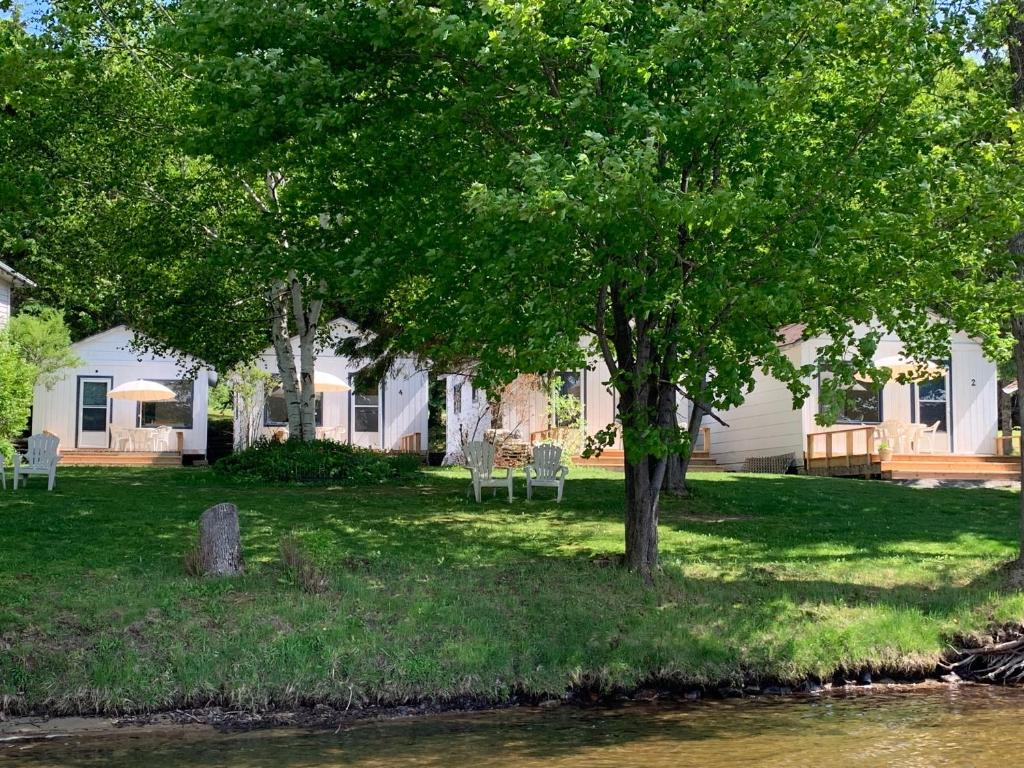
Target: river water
[970, 726]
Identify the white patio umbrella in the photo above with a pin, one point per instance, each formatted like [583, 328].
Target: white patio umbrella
[912, 370]
[143, 390]
[328, 382]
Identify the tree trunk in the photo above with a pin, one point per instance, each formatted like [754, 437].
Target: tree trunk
[278, 301]
[643, 480]
[1017, 327]
[297, 384]
[220, 541]
[306, 321]
[675, 472]
[645, 472]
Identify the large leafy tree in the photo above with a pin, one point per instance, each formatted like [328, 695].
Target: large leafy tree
[985, 293]
[679, 181]
[150, 203]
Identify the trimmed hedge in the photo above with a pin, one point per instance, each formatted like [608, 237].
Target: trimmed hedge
[316, 461]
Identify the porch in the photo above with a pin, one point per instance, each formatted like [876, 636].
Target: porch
[615, 458]
[853, 452]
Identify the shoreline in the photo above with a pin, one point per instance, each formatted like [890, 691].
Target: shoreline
[323, 717]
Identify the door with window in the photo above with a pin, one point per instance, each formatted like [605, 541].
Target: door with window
[93, 413]
[932, 406]
[366, 414]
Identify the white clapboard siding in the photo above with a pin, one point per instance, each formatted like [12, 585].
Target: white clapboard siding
[5, 301]
[403, 410]
[975, 400]
[109, 354]
[765, 424]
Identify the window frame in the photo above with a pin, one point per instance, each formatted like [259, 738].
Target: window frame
[841, 417]
[376, 407]
[318, 409]
[140, 406]
[580, 384]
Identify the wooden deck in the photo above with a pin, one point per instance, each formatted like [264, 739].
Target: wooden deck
[935, 466]
[100, 457]
[852, 452]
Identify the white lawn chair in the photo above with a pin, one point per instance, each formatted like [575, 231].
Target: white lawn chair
[546, 470]
[161, 439]
[480, 463]
[897, 434]
[121, 438]
[40, 459]
[926, 438]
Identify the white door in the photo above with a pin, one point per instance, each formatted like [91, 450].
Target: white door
[366, 417]
[93, 413]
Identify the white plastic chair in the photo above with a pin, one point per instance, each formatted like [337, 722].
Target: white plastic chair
[162, 438]
[546, 470]
[895, 433]
[480, 463]
[121, 438]
[40, 459]
[926, 436]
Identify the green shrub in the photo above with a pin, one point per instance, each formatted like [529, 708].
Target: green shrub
[316, 461]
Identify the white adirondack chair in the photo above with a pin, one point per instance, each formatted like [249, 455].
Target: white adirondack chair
[546, 470]
[480, 463]
[40, 459]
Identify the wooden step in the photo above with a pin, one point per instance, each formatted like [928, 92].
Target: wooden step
[616, 460]
[951, 459]
[99, 457]
[950, 475]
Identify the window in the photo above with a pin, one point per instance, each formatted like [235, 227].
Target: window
[569, 384]
[366, 408]
[457, 399]
[931, 402]
[94, 406]
[175, 413]
[275, 412]
[861, 404]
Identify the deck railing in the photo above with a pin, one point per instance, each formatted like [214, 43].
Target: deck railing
[849, 447]
[703, 444]
[410, 443]
[1008, 446]
[556, 434]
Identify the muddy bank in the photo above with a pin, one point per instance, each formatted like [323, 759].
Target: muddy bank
[324, 717]
[975, 659]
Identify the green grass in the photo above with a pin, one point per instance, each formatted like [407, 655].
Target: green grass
[433, 596]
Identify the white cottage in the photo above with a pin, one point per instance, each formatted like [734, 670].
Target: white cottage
[10, 279]
[390, 415]
[94, 428]
[524, 414]
[960, 403]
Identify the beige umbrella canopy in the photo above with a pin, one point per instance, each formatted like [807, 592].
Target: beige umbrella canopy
[327, 382]
[143, 390]
[910, 370]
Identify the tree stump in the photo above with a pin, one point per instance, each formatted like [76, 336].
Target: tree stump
[220, 541]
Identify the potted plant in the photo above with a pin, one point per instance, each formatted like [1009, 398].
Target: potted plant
[884, 451]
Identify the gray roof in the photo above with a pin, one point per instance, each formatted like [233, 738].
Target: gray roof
[15, 276]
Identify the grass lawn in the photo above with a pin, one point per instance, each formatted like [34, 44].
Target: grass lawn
[432, 596]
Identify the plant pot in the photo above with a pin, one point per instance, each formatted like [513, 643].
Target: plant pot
[885, 454]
